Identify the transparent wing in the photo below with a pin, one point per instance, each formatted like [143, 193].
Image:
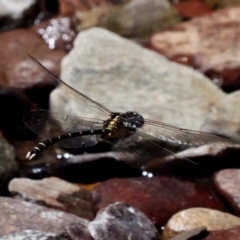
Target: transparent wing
[152, 155]
[181, 136]
[71, 92]
[48, 124]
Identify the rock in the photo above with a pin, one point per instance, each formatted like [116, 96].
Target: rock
[196, 232]
[230, 234]
[22, 215]
[158, 197]
[120, 221]
[78, 232]
[198, 217]
[124, 76]
[29, 235]
[226, 182]
[56, 193]
[208, 43]
[58, 33]
[15, 9]
[23, 86]
[208, 158]
[8, 164]
[139, 19]
[15, 14]
[192, 8]
[221, 3]
[19, 71]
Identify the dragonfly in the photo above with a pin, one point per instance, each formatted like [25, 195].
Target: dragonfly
[142, 143]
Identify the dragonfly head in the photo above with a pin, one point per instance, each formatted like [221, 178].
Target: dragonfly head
[133, 120]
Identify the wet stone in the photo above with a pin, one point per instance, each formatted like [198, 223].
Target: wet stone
[19, 215]
[120, 221]
[226, 182]
[54, 192]
[198, 217]
[158, 197]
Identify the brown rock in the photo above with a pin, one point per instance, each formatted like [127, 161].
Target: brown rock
[199, 217]
[55, 193]
[227, 182]
[209, 43]
[192, 8]
[18, 73]
[19, 215]
[15, 64]
[229, 234]
[158, 197]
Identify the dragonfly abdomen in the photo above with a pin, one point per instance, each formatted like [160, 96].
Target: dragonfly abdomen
[42, 146]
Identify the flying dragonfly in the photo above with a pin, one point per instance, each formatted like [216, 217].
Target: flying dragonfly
[139, 142]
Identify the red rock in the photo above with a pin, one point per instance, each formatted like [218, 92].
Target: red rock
[16, 66]
[209, 43]
[20, 77]
[158, 197]
[192, 8]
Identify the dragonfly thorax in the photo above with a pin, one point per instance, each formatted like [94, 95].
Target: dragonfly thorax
[132, 120]
[129, 121]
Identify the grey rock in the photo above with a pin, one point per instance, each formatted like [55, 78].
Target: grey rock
[28, 235]
[139, 18]
[226, 182]
[8, 165]
[18, 216]
[124, 76]
[78, 232]
[55, 193]
[120, 221]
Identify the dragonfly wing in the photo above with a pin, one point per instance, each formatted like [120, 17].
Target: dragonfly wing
[71, 92]
[48, 124]
[151, 155]
[189, 138]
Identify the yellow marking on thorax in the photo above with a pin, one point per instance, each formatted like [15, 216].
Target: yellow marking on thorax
[112, 123]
